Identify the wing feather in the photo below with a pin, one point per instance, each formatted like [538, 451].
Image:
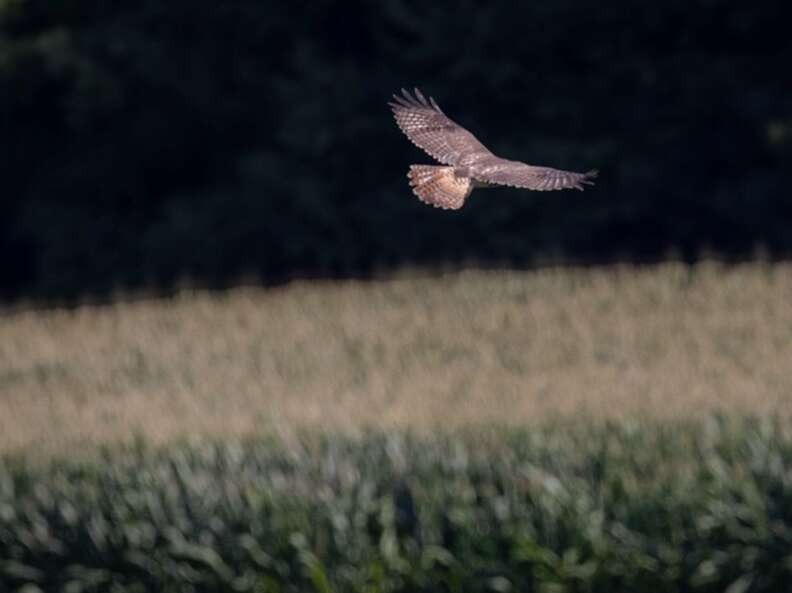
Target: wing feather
[516, 174]
[425, 124]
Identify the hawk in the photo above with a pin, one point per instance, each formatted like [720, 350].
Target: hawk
[468, 163]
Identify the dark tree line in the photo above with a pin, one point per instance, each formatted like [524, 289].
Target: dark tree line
[144, 141]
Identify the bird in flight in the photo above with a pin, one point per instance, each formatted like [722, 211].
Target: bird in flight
[468, 163]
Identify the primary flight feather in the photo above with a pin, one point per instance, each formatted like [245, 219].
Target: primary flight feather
[467, 162]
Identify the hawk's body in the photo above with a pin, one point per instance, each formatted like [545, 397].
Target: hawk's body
[468, 163]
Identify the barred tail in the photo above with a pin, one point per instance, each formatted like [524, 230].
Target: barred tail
[439, 186]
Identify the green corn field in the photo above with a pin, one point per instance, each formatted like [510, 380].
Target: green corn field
[701, 506]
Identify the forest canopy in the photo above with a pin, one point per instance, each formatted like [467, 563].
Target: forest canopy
[147, 141]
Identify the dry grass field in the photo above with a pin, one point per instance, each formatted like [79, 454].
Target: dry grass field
[668, 340]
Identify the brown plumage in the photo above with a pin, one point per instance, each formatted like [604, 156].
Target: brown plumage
[439, 186]
[468, 162]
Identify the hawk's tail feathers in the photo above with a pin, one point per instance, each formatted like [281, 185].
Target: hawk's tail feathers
[439, 186]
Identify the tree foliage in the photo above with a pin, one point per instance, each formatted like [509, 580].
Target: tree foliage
[144, 141]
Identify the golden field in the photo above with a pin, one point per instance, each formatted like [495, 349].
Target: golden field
[419, 352]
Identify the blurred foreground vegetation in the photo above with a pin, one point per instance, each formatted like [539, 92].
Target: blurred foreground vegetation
[145, 141]
[413, 352]
[688, 507]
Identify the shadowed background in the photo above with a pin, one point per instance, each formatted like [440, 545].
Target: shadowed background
[145, 142]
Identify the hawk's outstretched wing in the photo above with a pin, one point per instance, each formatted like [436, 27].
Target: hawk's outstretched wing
[428, 128]
[516, 174]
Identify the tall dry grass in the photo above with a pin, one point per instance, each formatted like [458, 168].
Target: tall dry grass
[421, 352]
